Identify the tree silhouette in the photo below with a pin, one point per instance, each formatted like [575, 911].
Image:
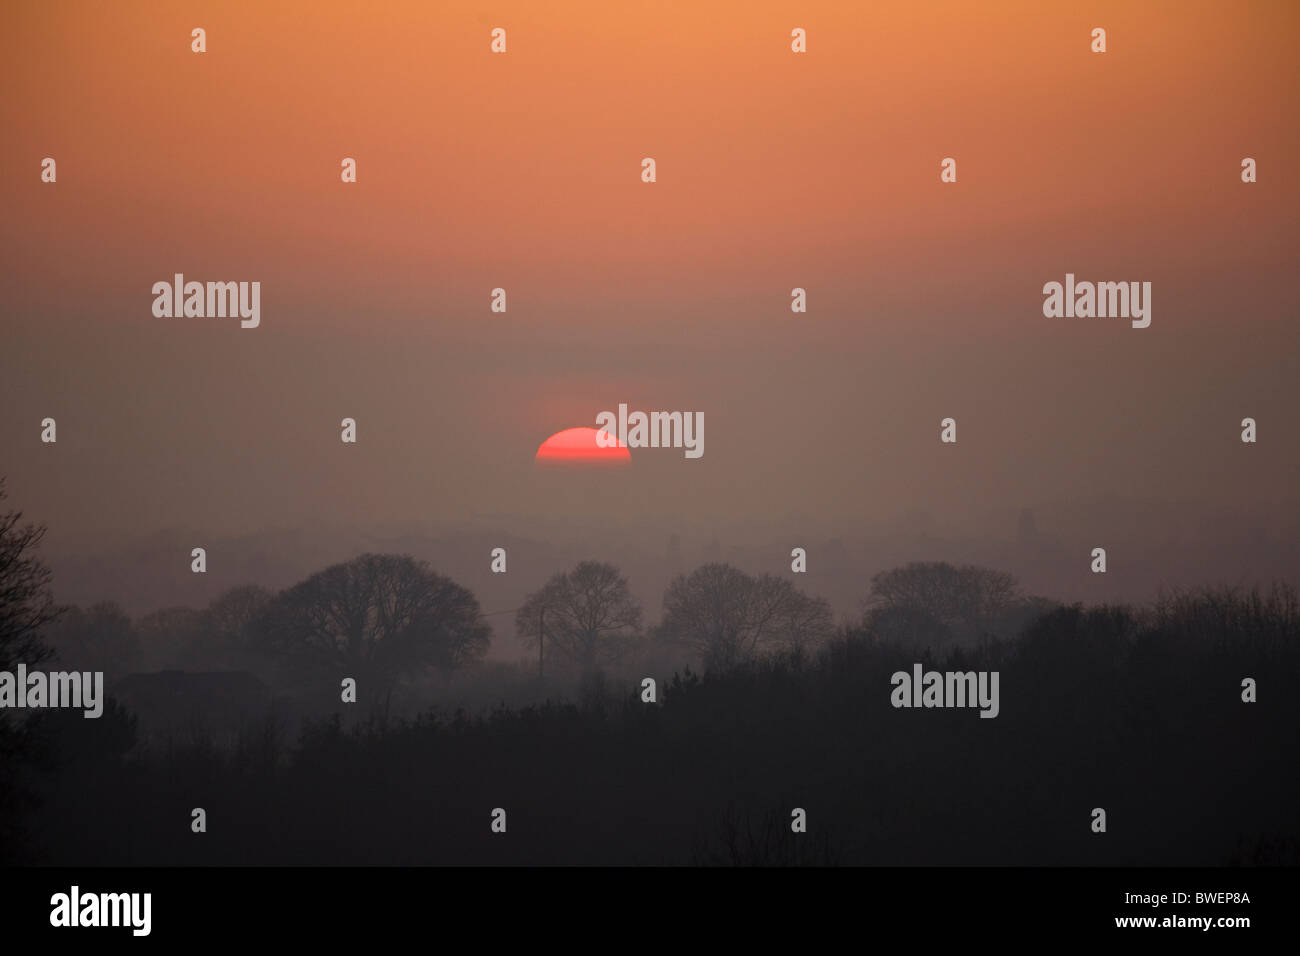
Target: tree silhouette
[172, 638]
[97, 638]
[228, 629]
[376, 618]
[26, 604]
[586, 614]
[26, 607]
[929, 603]
[727, 616]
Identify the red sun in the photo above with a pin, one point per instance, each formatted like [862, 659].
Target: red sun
[578, 446]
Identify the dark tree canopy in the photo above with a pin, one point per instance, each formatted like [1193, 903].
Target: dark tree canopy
[228, 628]
[586, 614]
[376, 618]
[172, 638]
[929, 603]
[225, 635]
[26, 608]
[729, 617]
[98, 638]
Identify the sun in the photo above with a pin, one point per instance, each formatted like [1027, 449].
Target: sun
[578, 446]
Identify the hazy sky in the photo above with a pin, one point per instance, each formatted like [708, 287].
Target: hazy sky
[522, 171]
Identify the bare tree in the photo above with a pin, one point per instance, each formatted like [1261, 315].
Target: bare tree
[98, 638]
[172, 638]
[26, 607]
[586, 614]
[728, 616]
[26, 604]
[376, 618]
[939, 600]
[803, 622]
[228, 627]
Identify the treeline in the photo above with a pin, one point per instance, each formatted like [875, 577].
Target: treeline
[1140, 713]
[388, 619]
[1178, 720]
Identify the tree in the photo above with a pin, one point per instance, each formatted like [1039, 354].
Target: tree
[26, 607]
[228, 628]
[904, 624]
[221, 636]
[98, 638]
[171, 639]
[376, 618]
[26, 604]
[931, 602]
[587, 614]
[728, 616]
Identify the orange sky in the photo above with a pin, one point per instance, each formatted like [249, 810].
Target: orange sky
[775, 170]
[525, 166]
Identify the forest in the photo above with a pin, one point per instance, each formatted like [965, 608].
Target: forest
[742, 726]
